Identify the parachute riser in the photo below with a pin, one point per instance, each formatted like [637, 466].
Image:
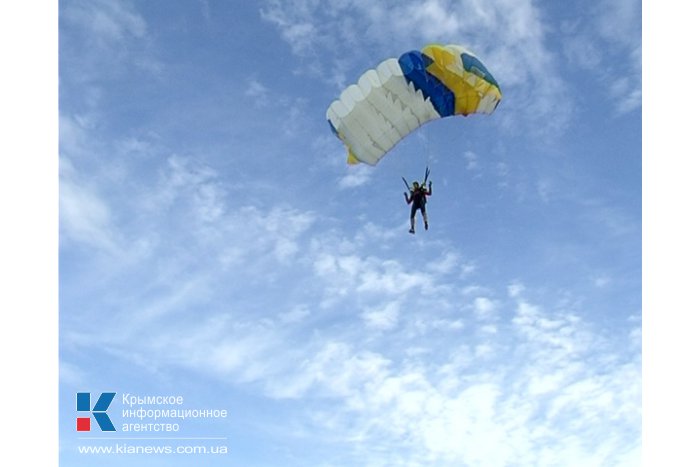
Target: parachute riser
[425, 179]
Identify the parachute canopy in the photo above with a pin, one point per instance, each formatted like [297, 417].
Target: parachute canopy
[398, 96]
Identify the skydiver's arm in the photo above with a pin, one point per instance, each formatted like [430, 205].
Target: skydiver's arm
[430, 189]
[408, 200]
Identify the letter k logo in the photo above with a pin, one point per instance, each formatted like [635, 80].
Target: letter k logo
[99, 411]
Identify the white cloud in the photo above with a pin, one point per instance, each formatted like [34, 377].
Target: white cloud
[627, 90]
[484, 307]
[199, 203]
[295, 315]
[610, 50]
[472, 160]
[107, 21]
[294, 22]
[467, 269]
[579, 49]
[515, 289]
[258, 92]
[445, 264]
[84, 216]
[433, 18]
[355, 176]
[382, 318]
[619, 21]
[389, 277]
[602, 281]
[104, 35]
[351, 276]
[463, 414]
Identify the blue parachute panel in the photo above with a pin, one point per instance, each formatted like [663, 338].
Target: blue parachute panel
[414, 66]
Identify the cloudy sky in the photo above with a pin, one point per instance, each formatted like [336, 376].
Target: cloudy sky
[215, 246]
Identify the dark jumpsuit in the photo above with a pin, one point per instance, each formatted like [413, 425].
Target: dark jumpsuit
[419, 199]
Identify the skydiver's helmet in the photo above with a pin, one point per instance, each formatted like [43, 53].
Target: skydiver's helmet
[416, 185]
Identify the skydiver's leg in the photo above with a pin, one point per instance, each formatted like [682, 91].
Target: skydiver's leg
[424, 213]
[413, 219]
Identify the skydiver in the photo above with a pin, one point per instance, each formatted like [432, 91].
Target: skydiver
[419, 199]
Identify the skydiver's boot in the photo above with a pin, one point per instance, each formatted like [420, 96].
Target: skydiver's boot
[413, 226]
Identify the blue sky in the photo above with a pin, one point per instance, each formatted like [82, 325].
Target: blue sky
[214, 245]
